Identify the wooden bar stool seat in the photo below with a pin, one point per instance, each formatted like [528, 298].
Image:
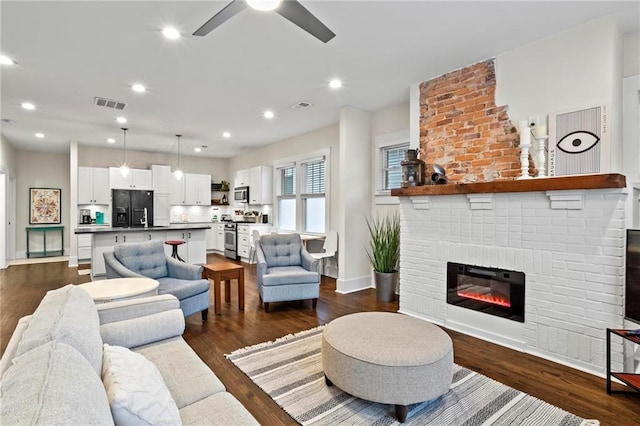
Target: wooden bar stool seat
[174, 248]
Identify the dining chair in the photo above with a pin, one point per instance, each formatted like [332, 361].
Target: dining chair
[255, 234]
[329, 248]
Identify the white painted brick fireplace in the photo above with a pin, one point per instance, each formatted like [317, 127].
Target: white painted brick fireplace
[569, 243]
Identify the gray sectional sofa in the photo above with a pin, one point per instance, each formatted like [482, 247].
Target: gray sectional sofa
[74, 362]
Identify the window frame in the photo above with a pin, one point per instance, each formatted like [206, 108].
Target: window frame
[300, 196]
[383, 142]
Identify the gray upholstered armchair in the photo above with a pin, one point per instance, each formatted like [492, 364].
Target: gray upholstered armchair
[148, 259]
[286, 271]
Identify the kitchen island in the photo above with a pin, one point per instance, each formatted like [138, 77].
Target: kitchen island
[105, 238]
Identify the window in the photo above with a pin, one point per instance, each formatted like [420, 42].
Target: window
[301, 192]
[389, 153]
[392, 156]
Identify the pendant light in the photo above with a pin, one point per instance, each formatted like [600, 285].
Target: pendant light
[178, 172]
[264, 5]
[124, 168]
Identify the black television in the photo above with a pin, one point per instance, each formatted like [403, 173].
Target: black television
[632, 284]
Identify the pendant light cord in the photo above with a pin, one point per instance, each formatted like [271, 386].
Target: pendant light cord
[179, 163]
[124, 129]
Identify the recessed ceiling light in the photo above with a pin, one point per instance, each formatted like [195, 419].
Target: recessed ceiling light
[335, 84]
[111, 140]
[268, 114]
[28, 105]
[138, 88]
[121, 120]
[170, 33]
[263, 4]
[226, 135]
[5, 60]
[197, 149]
[39, 135]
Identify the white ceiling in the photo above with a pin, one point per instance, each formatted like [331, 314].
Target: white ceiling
[69, 52]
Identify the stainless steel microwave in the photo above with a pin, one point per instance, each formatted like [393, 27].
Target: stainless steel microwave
[241, 194]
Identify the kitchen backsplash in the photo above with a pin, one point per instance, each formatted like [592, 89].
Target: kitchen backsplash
[181, 214]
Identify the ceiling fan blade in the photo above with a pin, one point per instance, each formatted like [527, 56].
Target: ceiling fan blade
[299, 15]
[219, 18]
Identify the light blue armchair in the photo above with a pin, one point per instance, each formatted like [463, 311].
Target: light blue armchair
[148, 259]
[285, 271]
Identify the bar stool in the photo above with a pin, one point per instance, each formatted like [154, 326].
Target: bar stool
[174, 248]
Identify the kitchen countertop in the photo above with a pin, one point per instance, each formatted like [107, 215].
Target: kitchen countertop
[100, 229]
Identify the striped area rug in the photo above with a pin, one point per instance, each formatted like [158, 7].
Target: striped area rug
[289, 370]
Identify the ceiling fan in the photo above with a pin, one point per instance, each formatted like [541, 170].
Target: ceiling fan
[289, 9]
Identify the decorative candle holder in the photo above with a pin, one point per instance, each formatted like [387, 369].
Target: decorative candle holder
[541, 155]
[524, 160]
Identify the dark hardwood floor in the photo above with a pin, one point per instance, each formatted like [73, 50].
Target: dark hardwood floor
[22, 287]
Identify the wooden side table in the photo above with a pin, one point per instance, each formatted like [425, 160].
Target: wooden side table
[226, 272]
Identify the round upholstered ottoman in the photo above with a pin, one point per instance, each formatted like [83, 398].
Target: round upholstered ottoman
[387, 358]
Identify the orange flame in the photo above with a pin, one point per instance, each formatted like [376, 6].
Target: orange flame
[496, 300]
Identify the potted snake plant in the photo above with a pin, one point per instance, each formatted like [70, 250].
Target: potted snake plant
[384, 254]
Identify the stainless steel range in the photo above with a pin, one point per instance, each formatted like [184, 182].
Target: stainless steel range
[231, 241]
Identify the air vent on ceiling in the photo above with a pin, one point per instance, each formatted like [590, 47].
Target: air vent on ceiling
[108, 103]
[301, 105]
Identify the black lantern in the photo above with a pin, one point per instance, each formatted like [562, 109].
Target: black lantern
[412, 169]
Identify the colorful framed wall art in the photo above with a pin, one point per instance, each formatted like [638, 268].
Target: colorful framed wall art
[44, 206]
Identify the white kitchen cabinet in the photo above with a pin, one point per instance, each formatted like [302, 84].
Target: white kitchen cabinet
[192, 190]
[242, 178]
[197, 189]
[93, 185]
[161, 176]
[84, 246]
[261, 185]
[161, 209]
[194, 250]
[136, 179]
[245, 238]
[212, 238]
[220, 237]
[176, 192]
[106, 242]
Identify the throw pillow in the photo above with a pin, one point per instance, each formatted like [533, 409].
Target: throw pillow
[136, 391]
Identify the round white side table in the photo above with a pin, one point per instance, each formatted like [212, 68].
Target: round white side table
[120, 289]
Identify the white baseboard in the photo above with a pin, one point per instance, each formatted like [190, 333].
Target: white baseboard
[352, 285]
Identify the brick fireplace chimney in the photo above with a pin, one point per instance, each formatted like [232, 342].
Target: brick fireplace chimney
[462, 128]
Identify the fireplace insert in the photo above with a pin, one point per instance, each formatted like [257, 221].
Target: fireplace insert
[493, 291]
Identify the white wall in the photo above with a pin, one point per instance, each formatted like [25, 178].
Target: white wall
[40, 170]
[631, 54]
[578, 67]
[7, 207]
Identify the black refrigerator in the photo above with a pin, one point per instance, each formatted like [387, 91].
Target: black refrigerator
[130, 208]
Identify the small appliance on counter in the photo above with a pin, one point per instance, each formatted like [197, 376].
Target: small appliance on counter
[225, 218]
[85, 216]
[99, 218]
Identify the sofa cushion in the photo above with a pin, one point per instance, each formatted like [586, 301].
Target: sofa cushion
[66, 315]
[285, 275]
[146, 329]
[187, 377]
[281, 249]
[228, 411]
[135, 389]
[182, 288]
[147, 258]
[53, 384]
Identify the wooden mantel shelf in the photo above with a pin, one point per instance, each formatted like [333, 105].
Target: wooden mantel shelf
[556, 183]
